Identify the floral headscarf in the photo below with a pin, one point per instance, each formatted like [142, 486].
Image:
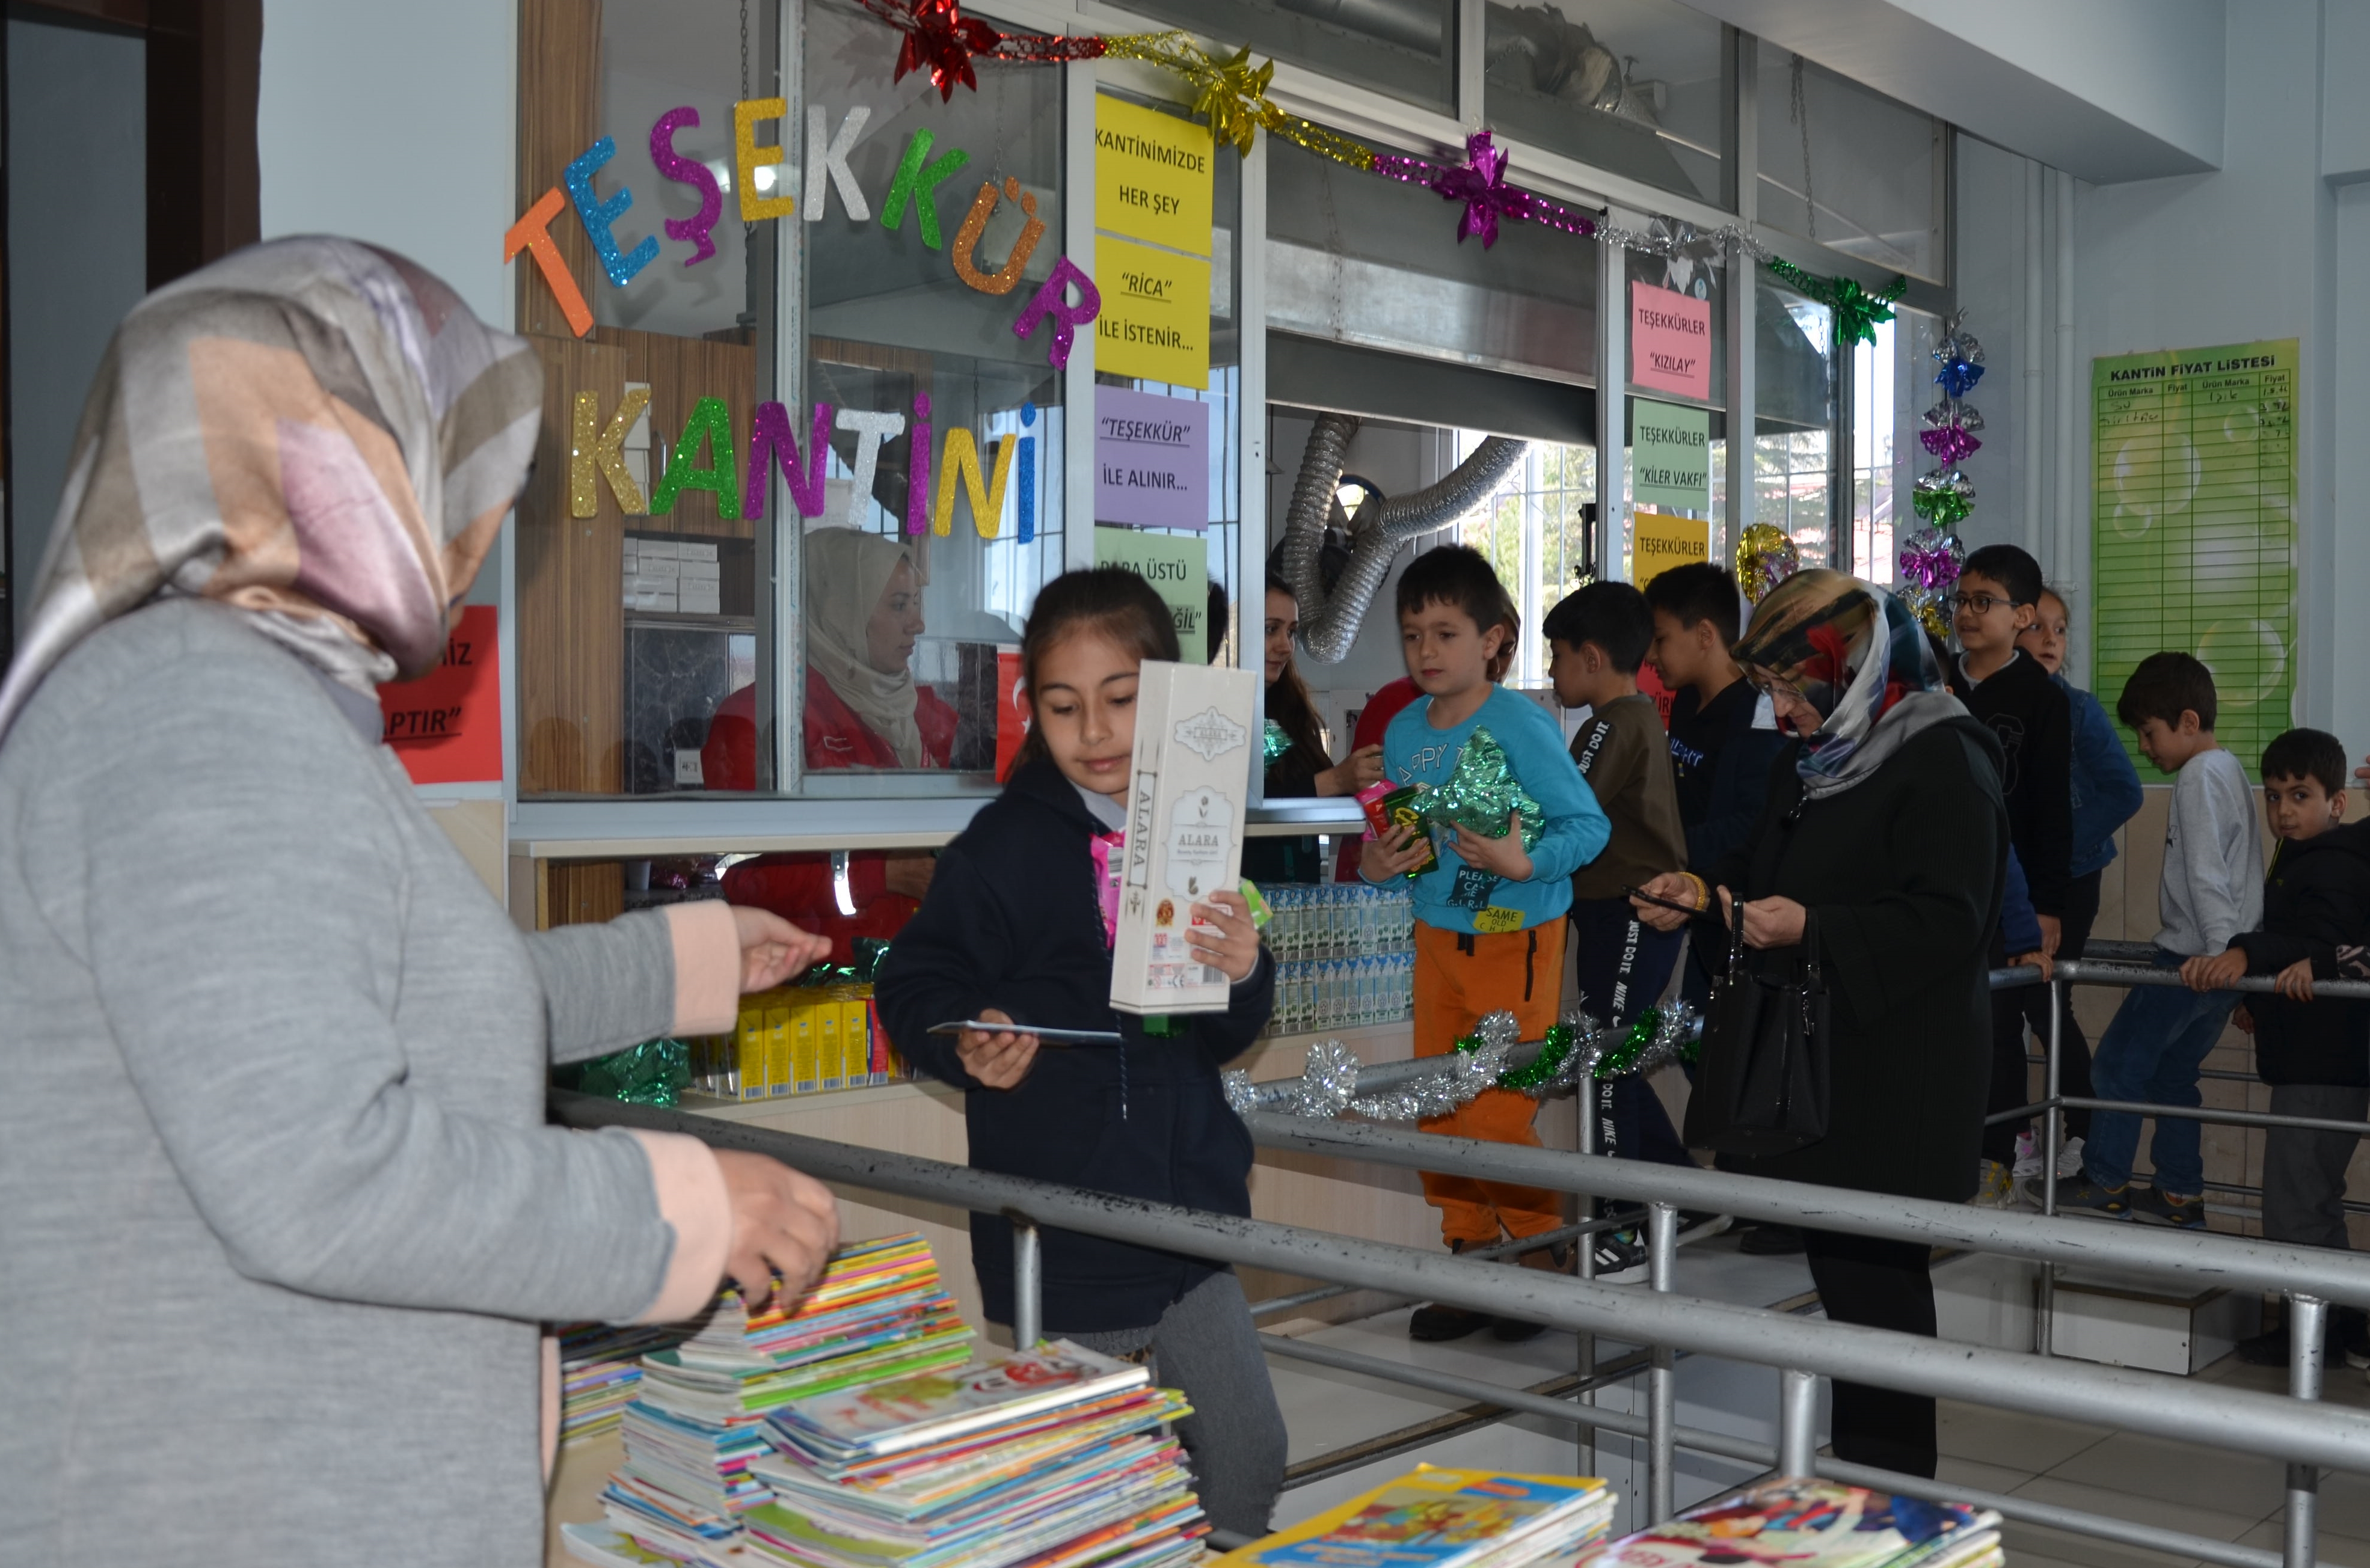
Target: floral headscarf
[313, 431]
[1859, 657]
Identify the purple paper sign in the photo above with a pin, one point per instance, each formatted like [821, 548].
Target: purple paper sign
[1152, 460]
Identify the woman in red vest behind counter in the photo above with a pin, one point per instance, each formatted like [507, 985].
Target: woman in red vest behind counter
[863, 709]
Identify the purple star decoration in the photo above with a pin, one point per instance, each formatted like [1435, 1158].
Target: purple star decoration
[1481, 183]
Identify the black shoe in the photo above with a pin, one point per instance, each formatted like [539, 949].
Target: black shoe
[1514, 1330]
[1620, 1257]
[1436, 1322]
[2347, 1342]
[1768, 1241]
[2265, 1349]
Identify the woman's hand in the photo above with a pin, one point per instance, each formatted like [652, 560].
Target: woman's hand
[907, 873]
[772, 949]
[1234, 952]
[1354, 773]
[2215, 973]
[1396, 853]
[2052, 931]
[784, 1227]
[2294, 982]
[2242, 1020]
[1500, 857]
[1768, 922]
[1676, 886]
[1000, 1060]
[2041, 961]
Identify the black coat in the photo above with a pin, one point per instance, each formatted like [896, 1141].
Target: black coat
[1903, 872]
[2032, 719]
[1012, 922]
[2315, 896]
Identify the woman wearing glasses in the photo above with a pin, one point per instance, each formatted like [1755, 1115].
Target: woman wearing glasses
[1887, 836]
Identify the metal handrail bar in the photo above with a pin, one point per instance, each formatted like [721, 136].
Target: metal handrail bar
[2237, 1420]
[2235, 1262]
[2092, 972]
[1554, 1238]
[2220, 1117]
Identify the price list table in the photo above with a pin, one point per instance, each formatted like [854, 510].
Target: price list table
[2193, 533]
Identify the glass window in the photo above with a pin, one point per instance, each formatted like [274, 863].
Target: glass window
[1534, 529]
[1793, 420]
[1850, 168]
[636, 603]
[1890, 394]
[1376, 262]
[1404, 47]
[1639, 88]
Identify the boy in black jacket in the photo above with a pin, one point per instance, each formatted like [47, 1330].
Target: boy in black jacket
[2315, 1055]
[2009, 691]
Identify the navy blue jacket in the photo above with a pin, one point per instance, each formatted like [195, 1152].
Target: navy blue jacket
[1721, 765]
[2316, 898]
[1012, 922]
[2106, 785]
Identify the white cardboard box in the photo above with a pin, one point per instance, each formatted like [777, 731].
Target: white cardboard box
[1189, 787]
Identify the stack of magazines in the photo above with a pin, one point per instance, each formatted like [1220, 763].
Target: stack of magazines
[698, 1423]
[600, 1373]
[1815, 1524]
[1051, 1457]
[1447, 1519]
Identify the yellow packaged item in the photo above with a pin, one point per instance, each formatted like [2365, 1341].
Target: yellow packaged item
[802, 1074]
[781, 1027]
[829, 1067]
[856, 1040]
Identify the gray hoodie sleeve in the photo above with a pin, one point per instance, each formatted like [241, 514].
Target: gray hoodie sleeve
[242, 916]
[604, 986]
[2219, 873]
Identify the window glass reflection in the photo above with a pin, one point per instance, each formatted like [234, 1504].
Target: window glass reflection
[1849, 167]
[1404, 47]
[1793, 420]
[1641, 87]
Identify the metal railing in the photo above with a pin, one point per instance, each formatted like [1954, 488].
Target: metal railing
[2305, 1436]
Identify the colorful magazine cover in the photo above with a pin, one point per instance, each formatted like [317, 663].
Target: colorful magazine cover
[1431, 1518]
[904, 1412]
[1816, 1523]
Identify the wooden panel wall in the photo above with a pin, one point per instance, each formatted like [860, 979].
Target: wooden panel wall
[570, 613]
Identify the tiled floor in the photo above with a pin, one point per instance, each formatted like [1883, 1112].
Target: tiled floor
[2226, 1496]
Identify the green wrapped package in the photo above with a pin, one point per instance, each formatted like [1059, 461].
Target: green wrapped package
[651, 1073]
[1481, 792]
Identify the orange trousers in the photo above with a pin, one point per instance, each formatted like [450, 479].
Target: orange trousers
[1459, 978]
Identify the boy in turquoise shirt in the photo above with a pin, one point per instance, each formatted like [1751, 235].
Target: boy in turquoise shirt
[1489, 917]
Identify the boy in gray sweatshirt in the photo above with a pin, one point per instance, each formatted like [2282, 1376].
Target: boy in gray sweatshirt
[2212, 889]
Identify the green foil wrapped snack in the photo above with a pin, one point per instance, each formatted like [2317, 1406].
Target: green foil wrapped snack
[1273, 743]
[1481, 792]
[651, 1073]
[1388, 807]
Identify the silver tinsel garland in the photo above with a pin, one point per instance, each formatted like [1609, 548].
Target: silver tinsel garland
[1328, 1086]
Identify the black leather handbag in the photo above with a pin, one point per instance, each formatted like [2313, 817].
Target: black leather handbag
[1761, 1081]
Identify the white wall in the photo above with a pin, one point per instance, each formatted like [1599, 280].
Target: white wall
[2259, 248]
[395, 124]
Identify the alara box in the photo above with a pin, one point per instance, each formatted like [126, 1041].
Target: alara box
[1190, 784]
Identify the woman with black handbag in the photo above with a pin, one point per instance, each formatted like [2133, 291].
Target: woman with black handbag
[1849, 1042]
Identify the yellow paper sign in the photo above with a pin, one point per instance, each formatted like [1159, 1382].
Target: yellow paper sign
[1660, 541]
[1155, 318]
[1151, 176]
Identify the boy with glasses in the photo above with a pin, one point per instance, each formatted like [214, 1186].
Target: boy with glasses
[2009, 691]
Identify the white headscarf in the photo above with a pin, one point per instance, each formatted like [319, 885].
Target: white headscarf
[848, 570]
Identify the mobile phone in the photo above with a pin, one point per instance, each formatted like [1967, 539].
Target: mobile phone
[1657, 900]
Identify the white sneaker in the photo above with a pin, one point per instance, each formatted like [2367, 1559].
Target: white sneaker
[2028, 1157]
[1993, 1189]
[2069, 1159]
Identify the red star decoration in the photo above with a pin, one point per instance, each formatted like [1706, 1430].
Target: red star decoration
[940, 40]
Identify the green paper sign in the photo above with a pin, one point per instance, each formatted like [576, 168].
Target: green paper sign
[1670, 456]
[2192, 527]
[1177, 566]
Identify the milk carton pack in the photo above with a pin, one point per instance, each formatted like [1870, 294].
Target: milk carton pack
[1194, 749]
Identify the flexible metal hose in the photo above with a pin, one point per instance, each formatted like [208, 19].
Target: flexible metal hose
[1329, 623]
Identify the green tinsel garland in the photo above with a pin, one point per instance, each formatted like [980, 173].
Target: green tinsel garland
[1856, 310]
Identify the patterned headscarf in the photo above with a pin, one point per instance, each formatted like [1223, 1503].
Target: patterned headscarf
[1856, 654]
[313, 431]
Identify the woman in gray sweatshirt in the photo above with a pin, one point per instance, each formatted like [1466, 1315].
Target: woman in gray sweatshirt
[280, 1216]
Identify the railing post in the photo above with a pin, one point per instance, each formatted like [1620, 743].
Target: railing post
[1586, 1242]
[2052, 1124]
[1797, 1422]
[1027, 1286]
[1661, 1376]
[2308, 1328]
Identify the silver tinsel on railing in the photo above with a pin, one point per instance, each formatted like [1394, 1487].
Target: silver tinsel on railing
[1328, 1086]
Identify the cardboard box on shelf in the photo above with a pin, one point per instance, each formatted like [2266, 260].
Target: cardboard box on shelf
[1188, 784]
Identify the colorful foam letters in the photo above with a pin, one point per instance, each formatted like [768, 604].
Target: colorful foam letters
[959, 462]
[918, 463]
[919, 184]
[709, 419]
[771, 440]
[595, 454]
[1028, 472]
[683, 170]
[829, 158]
[871, 430]
[748, 157]
[974, 224]
[532, 234]
[599, 217]
[1067, 318]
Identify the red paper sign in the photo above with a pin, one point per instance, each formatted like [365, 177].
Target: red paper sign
[446, 727]
[1670, 341]
[1011, 711]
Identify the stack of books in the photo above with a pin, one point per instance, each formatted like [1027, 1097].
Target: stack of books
[1815, 1524]
[697, 1422]
[1052, 1458]
[600, 1373]
[1447, 1519]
